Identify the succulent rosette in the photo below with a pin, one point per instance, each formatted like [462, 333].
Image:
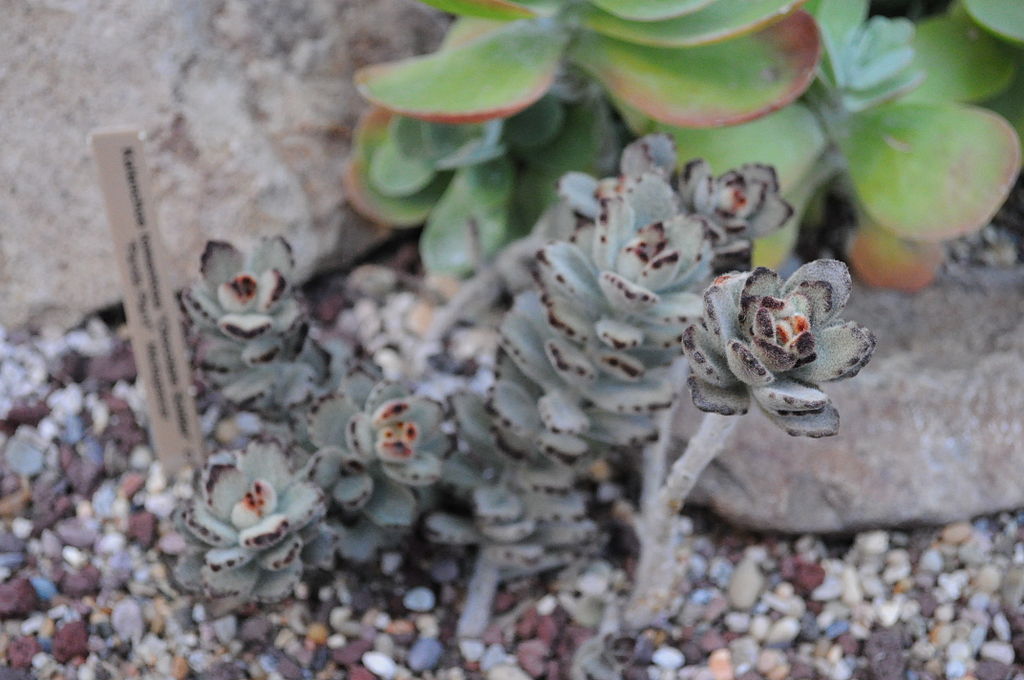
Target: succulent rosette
[246, 297]
[376, 445]
[739, 205]
[522, 512]
[252, 526]
[776, 341]
[256, 348]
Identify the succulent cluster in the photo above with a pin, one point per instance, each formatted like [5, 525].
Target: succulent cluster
[591, 347]
[256, 348]
[252, 526]
[525, 514]
[377, 449]
[775, 341]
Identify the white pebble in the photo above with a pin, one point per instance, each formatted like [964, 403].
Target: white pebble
[21, 527]
[745, 585]
[995, 650]
[873, 542]
[931, 561]
[782, 631]
[668, 657]
[73, 556]
[471, 650]
[379, 664]
[546, 605]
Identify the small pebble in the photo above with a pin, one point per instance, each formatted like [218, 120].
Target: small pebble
[668, 657]
[745, 585]
[783, 631]
[957, 533]
[1000, 652]
[419, 599]
[379, 664]
[425, 654]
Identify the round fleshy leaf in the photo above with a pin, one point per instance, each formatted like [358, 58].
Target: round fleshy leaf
[465, 30]
[770, 140]
[493, 76]
[718, 21]
[651, 10]
[962, 63]
[486, 9]
[394, 174]
[472, 214]
[881, 259]
[711, 85]
[1005, 18]
[370, 203]
[931, 172]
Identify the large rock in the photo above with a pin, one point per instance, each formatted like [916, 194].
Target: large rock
[932, 430]
[248, 107]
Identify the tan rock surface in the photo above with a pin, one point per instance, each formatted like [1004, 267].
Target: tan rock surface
[248, 107]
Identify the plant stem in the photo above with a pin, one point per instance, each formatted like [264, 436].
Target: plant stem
[656, 455]
[658, 576]
[476, 611]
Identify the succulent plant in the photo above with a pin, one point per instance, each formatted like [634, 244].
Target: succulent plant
[524, 514]
[252, 526]
[376, 445]
[740, 205]
[551, 70]
[476, 185]
[591, 348]
[256, 347]
[776, 341]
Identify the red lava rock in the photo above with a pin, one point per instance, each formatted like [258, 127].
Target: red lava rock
[47, 511]
[531, 656]
[710, 641]
[110, 368]
[526, 626]
[352, 652]
[21, 650]
[547, 629]
[493, 635]
[884, 652]
[131, 483]
[360, 673]
[809, 575]
[142, 528]
[849, 643]
[17, 598]
[70, 641]
[24, 414]
[85, 581]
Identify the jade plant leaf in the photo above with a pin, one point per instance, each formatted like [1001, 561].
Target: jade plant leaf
[930, 172]
[405, 211]
[392, 173]
[487, 9]
[718, 21]
[472, 215]
[651, 10]
[467, 29]
[765, 140]
[962, 63]
[1005, 18]
[882, 259]
[493, 76]
[710, 85]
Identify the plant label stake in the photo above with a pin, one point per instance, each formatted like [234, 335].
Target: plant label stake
[154, 325]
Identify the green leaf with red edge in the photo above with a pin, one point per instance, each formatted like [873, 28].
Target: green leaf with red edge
[474, 212]
[710, 85]
[651, 10]
[405, 211]
[790, 139]
[1005, 18]
[718, 21]
[467, 29]
[931, 172]
[486, 9]
[881, 259]
[493, 76]
[962, 63]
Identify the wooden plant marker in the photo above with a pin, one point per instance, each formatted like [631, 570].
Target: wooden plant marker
[154, 324]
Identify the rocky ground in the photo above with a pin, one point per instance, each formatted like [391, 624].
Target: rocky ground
[86, 546]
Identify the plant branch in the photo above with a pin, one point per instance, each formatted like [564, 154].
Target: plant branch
[658, 576]
[655, 461]
[476, 610]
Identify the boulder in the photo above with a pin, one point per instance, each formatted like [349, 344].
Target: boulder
[248, 108]
[931, 431]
